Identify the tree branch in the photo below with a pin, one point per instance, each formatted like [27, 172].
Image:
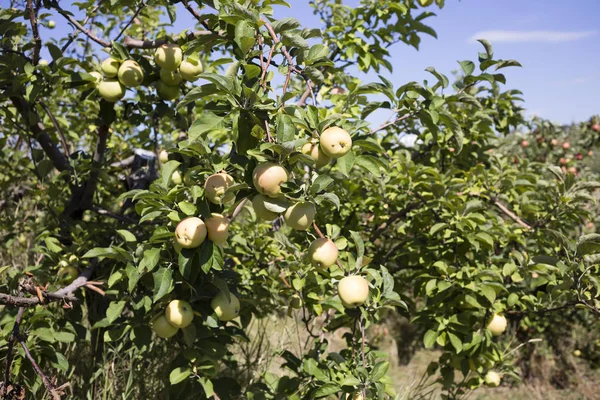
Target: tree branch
[92, 182]
[57, 127]
[11, 341]
[77, 25]
[511, 214]
[38, 370]
[36, 33]
[151, 44]
[135, 14]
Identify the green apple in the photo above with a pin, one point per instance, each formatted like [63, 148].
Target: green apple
[163, 328]
[163, 156]
[179, 313]
[176, 178]
[168, 56]
[323, 253]
[167, 92]
[296, 301]
[492, 379]
[111, 90]
[190, 233]
[262, 212]
[425, 3]
[335, 142]
[300, 216]
[43, 62]
[67, 273]
[226, 309]
[353, 291]
[314, 150]
[268, 177]
[215, 187]
[51, 24]
[171, 78]
[97, 78]
[497, 325]
[218, 228]
[130, 73]
[190, 69]
[577, 353]
[110, 67]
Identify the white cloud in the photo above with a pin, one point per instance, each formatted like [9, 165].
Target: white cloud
[505, 36]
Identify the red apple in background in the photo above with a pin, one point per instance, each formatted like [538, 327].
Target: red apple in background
[562, 160]
[596, 127]
[554, 142]
[524, 143]
[579, 156]
[566, 145]
[590, 153]
[451, 149]
[572, 170]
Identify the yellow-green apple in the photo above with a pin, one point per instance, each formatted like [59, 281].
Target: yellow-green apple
[111, 90]
[167, 92]
[51, 24]
[130, 73]
[492, 379]
[218, 228]
[176, 178]
[497, 325]
[577, 353]
[190, 69]
[190, 232]
[67, 273]
[179, 313]
[296, 301]
[353, 291]
[163, 156]
[168, 56]
[425, 3]
[300, 216]
[97, 77]
[163, 328]
[215, 187]
[172, 78]
[110, 67]
[226, 309]
[335, 142]
[268, 177]
[43, 62]
[323, 253]
[314, 150]
[262, 212]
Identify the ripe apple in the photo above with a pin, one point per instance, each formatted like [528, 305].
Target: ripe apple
[190, 232]
[577, 353]
[296, 301]
[572, 170]
[335, 142]
[451, 149]
[163, 328]
[163, 156]
[167, 92]
[258, 202]
[492, 379]
[225, 309]
[497, 325]
[179, 313]
[168, 56]
[323, 253]
[110, 67]
[130, 73]
[218, 228]
[111, 90]
[554, 142]
[596, 127]
[67, 273]
[562, 160]
[176, 178]
[190, 69]
[358, 395]
[524, 143]
[590, 153]
[268, 177]
[97, 77]
[51, 24]
[314, 150]
[300, 216]
[566, 145]
[215, 187]
[171, 78]
[353, 291]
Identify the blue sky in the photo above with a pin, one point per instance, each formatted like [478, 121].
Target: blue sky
[556, 41]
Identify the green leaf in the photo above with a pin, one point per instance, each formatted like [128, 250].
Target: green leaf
[127, 236]
[285, 24]
[443, 80]
[187, 208]
[346, 163]
[211, 257]
[380, 370]
[205, 123]
[455, 341]
[513, 299]
[588, 244]
[114, 310]
[321, 183]
[179, 374]
[326, 390]
[150, 260]
[163, 283]
[467, 66]
[286, 129]
[429, 338]
[244, 36]
[167, 171]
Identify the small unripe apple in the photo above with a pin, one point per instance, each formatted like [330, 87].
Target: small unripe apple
[111, 90]
[67, 273]
[258, 202]
[167, 92]
[566, 145]
[51, 24]
[596, 127]
[130, 73]
[497, 325]
[190, 232]
[168, 56]
[554, 142]
[218, 228]
[323, 253]
[179, 313]
[163, 156]
[296, 301]
[353, 291]
[524, 143]
[225, 309]
[43, 62]
[268, 177]
[577, 353]
[172, 78]
[335, 142]
[358, 395]
[22, 239]
[163, 328]
[215, 187]
[176, 178]
[300, 216]
[190, 69]
[314, 150]
[425, 3]
[110, 67]
[492, 379]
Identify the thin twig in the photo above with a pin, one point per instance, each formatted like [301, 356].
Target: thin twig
[61, 135]
[38, 370]
[87, 32]
[238, 210]
[384, 126]
[11, 341]
[511, 214]
[139, 9]
[195, 14]
[76, 31]
[110, 214]
[36, 33]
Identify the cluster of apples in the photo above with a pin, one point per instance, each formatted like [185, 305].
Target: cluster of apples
[117, 76]
[496, 326]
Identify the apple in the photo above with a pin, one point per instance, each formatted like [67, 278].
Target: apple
[358, 395]
[168, 56]
[579, 156]
[67, 273]
[167, 92]
[566, 145]
[323, 253]
[226, 309]
[554, 142]
[296, 301]
[258, 202]
[590, 153]
[335, 142]
[179, 313]
[497, 325]
[577, 353]
[22, 238]
[51, 24]
[163, 156]
[215, 187]
[218, 228]
[130, 73]
[163, 328]
[492, 379]
[268, 177]
[111, 90]
[596, 127]
[190, 69]
[110, 67]
[43, 62]
[572, 170]
[300, 216]
[172, 78]
[190, 232]
[97, 77]
[176, 178]
[524, 143]
[562, 160]
[451, 149]
[353, 291]
[425, 3]
[314, 150]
